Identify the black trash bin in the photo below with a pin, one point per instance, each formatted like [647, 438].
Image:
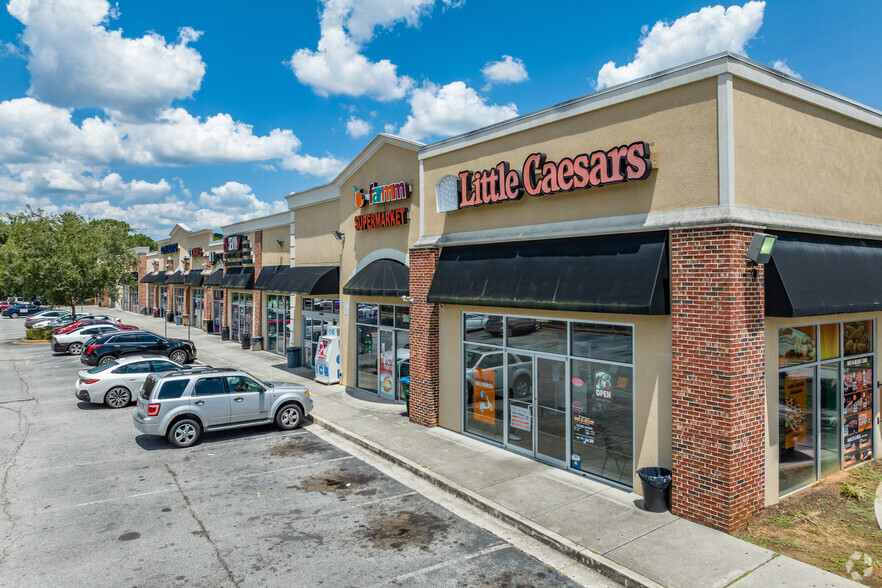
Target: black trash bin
[170, 317]
[246, 340]
[225, 333]
[209, 326]
[656, 484]
[293, 356]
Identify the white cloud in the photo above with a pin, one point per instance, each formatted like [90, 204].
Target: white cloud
[390, 128]
[711, 30]
[510, 70]
[356, 127]
[76, 61]
[781, 65]
[449, 110]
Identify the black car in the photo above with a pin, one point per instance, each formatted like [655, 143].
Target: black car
[107, 348]
[22, 309]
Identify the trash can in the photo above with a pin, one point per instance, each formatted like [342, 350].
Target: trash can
[178, 319]
[225, 333]
[246, 340]
[155, 313]
[405, 389]
[208, 326]
[293, 356]
[656, 484]
[257, 343]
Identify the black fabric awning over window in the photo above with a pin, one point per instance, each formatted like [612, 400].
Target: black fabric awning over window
[194, 278]
[239, 278]
[175, 278]
[160, 278]
[384, 277]
[312, 280]
[267, 273]
[215, 279]
[811, 275]
[147, 279]
[625, 274]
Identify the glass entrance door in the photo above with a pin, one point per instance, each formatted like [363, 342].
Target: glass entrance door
[387, 364]
[537, 400]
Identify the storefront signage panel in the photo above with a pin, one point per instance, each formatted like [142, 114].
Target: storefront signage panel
[485, 395]
[385, 218]
[539, 177]
[170, 248]
[857, 411]
[196, 252]
[376, 194]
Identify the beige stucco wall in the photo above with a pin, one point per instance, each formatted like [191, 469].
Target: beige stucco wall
[652, 393]
[795, 157]
[273, 253]
[679, 124]
[313, 242]
[771, 374]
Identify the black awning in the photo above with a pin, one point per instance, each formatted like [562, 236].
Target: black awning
[134, 274]
[314, 280]
[267, 273]
[625, 274]
[811, 275]
[175, 278]
[147, 279]
[239, 278]
[160, 278]
[194, 278]
[384, 277]
[215, 279]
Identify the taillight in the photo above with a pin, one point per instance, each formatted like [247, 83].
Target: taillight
[153, 409]
[90, 381]
[90, 349]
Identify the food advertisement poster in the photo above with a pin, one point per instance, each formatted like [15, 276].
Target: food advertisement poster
[485, 395]
[856, 337]
[857, 410]
[520, 417]
[794, 410]
[387, 377]
[796, 345]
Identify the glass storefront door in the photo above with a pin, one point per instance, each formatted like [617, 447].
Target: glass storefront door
[163, 300]
[217, 310]
[383, 349]
[318, 315]
[537, 392]
[241, 315]
[197, 296]
[179, 301]
[387, 364]
[277, 319]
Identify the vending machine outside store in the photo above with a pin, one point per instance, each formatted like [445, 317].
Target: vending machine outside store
[327, 357]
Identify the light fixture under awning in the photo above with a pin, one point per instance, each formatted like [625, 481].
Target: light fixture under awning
[625, 274]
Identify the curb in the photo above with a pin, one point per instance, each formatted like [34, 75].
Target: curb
[586, 557]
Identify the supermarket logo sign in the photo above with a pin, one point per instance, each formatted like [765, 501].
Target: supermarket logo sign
[376, 194]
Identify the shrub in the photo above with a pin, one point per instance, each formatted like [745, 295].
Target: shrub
[39, 334]
[850, 491]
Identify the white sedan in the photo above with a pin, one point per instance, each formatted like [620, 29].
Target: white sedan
[115, 384]
[73, 342]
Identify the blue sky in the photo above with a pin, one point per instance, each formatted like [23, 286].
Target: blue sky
[211, 112]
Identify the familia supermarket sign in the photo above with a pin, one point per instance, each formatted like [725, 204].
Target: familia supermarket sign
[377, 194]
[539, 177]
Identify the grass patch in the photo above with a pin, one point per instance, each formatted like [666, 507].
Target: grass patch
[825, 524]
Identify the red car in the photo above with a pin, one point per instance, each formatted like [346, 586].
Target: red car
[87, 322]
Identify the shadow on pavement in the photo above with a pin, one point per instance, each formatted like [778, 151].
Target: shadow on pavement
[157, 443]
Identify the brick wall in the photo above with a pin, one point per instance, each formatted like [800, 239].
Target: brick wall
[257, 251]
[423, 339]
[717, 316]
[142, 288]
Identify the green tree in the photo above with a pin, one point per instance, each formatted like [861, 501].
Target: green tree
[142, 240]
[64, 258]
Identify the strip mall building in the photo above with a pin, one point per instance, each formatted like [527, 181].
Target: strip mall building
[573, 284]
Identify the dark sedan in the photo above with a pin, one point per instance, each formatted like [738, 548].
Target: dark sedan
[515, 325]
[107, 348]
[21, 309]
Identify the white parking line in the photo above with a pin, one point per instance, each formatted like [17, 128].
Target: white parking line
[118, 498]
[445, 564]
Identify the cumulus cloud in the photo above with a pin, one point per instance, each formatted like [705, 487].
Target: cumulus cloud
[448, 110]
[781, 65]
[76, 61]
[510, 70]
[712, 29]
[356, 127]
[338, 66]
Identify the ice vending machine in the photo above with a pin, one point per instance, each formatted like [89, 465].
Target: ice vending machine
[327, 357]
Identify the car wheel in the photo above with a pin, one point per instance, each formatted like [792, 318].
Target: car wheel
[75, 348]
[106, 359]
[289, 417]
[184, 433]
[178, 356]
[522, 387]
[13, 315]
[118, 397]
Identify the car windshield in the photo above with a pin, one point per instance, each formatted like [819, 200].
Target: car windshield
[101, 368]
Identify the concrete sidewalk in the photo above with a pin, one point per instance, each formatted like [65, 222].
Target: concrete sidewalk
[600, 526]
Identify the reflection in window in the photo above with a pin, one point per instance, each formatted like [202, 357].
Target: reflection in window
[796, 431]
[483, 328]
[484, 400]
[387, 318]
[367, 313]
[856, 338]
[536, 334]
[603, 342]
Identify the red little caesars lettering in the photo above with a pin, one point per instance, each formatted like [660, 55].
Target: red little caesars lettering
[376, 194]
[385, 218]
[538, 177]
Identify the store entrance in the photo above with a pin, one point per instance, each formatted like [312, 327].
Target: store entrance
[536, 406]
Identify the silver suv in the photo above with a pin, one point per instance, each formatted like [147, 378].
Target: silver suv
[180, 405]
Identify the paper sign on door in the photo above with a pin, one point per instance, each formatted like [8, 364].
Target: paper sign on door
[520, 417]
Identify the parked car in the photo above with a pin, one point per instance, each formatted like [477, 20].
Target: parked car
[72, 341]
[66, 319]
[43, 316]
[82, 323]
[21, 309]
[181, 405]
[117, 383]
[520, 375]
[515, 325]
[107, 348]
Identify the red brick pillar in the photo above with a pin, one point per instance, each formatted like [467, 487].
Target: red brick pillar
[257, 327]
[423, 339]
[207, 304]
[717, 316]
[142, 288]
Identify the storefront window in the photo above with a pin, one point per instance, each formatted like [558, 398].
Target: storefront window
[383, 348]
[484, 401]
[856, 338]
[387, 318]
[402, 317]
[796, 431]
[241, 315]
[197, 296]
[536, 334]
[277, 322]
[367, 313]
[318, 314]
[217, 310]
[796, 346]
[151, 299]
[179, 301]
[483, 328]
[604, 342]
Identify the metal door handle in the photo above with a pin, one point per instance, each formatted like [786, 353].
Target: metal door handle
[239, 399]
[199, 402]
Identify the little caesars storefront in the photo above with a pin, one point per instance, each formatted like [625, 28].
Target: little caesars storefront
[585, 270]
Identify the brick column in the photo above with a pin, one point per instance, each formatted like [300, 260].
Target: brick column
[423, 339]
[718, 388]
[257, 252]
[142, 288]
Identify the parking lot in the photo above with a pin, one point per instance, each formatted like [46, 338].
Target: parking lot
[87, 500]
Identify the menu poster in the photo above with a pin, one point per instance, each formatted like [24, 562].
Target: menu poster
[485, 395]
[583, 429]
[794, 410]
[857, 410]
[386, 371]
